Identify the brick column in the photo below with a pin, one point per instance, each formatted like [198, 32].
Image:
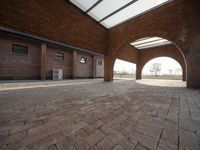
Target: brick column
[138, 67]
[108, 69]
[74, 60]
[193, 70]
[138, 72]
[184, 78]
[43, 62]
[138, 75]
[94, 66]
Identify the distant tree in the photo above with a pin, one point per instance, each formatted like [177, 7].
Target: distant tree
[155, 68]
[151, 71]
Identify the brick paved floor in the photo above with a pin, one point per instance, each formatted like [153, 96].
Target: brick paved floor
[90, 114]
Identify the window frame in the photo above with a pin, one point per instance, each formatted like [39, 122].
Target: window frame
[20, 45]
[57, 57]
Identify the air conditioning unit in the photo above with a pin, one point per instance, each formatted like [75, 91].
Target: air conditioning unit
[57, 74]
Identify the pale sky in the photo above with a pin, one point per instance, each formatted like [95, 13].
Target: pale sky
[121, 65]
[166, 64]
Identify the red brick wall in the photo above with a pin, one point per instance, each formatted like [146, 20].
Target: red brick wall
[53, 19]
[128, 53]
[53, 63]
[176, 21]
[15, 66]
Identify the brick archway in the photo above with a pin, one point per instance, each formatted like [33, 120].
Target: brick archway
[165, 51]
[179, 28]
[127, 53]
[142, 57]
[120, 44]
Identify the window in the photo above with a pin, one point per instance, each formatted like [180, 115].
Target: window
[99, 62]
[19, 49]
[59, 56]
[83, 60]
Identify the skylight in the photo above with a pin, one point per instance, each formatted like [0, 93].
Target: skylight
[84, 4]
[150, 42]
[114, 12]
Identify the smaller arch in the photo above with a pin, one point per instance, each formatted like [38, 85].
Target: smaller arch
[165, 51]
[163, 72]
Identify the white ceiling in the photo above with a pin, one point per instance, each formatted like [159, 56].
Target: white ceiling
[113, 12]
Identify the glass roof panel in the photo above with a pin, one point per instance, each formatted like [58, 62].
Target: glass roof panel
[107, 7]
[141, 41]
[113, 12]
[84, 4]
[150, 42]
[154, 45]
[135, 9]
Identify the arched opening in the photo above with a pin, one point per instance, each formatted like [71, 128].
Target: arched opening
[162, 68]
[146, 49]
[152, 47]
[124, 70]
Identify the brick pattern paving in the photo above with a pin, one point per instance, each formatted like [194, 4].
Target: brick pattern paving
[122, 115]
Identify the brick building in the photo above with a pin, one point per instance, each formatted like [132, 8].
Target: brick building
[21, 59]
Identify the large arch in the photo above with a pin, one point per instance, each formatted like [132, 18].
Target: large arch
[140, 58]
[179, 28]
[165, 51]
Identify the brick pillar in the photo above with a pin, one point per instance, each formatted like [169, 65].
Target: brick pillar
[193, 60]
[193, 71]
[138, 72]
[138, 75]
[108, 69]
[184, 78]
[43, 62]
[138, 68]
[74, 60]
[94, 67]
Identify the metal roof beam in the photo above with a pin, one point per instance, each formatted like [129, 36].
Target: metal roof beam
[93, 6]
[116, 11]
